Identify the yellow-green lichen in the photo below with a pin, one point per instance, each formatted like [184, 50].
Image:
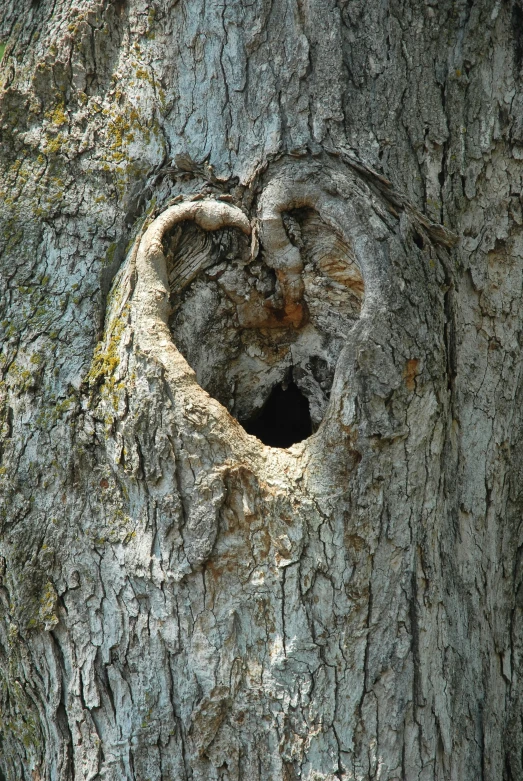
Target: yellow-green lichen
[49, 416]
[19, 379]
[57, 115]
[47, 609]
[56, 144]
[110, 254]
[106, 360]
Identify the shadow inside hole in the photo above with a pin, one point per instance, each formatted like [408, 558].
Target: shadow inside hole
[284, 419]
[225, 321]
[418, 240]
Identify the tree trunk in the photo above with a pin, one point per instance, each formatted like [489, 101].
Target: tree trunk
[300, 221]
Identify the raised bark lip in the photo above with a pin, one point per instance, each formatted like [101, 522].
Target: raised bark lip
[278, 197]
[151, 294]
[152, 289]
[285, 191]
[209, 214]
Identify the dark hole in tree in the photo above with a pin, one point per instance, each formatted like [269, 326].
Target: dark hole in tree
[284, 419]
[517, 29]
[418, 241]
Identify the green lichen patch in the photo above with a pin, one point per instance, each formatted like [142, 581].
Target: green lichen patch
[106, 358]
[19, 717]
[47, 610]
[49, 416]
[57, 115]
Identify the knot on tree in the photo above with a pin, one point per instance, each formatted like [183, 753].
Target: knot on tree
[263, 304]
[260, 311]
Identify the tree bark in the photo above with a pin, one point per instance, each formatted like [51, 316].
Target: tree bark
[200, 202]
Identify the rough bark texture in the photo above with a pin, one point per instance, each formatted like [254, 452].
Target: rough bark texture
[271, 190]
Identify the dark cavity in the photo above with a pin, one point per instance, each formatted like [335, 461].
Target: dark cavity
[284, 419]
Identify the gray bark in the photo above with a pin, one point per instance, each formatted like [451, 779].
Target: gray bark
[200, 201]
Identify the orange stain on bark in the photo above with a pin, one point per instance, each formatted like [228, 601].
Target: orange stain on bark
[410, 373]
